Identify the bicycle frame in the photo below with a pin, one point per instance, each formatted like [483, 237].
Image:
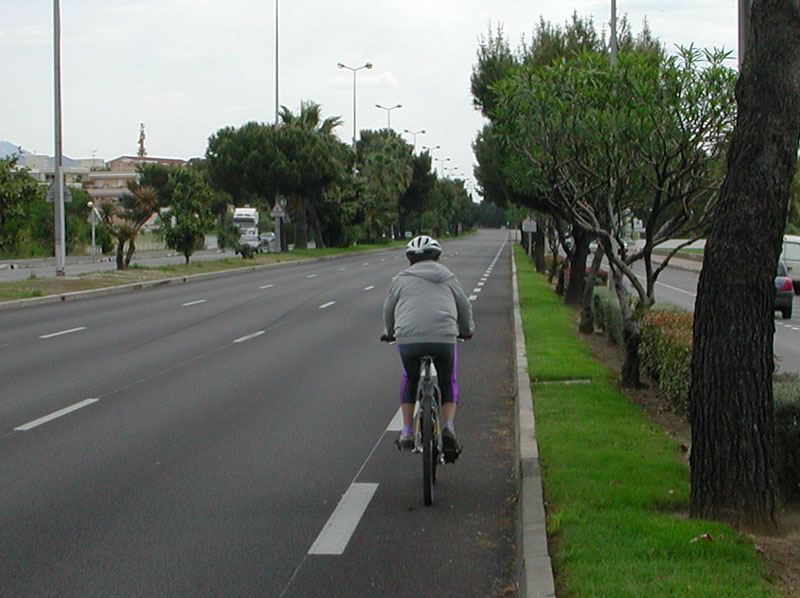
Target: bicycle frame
[428, 397]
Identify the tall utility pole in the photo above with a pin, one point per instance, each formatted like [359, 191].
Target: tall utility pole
[745, 8]
[613, 40]
[58, 200]
[277, 103]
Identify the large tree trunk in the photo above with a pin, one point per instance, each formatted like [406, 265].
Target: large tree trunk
[318, 239]
[131, 250]
[301, 224]
[120, 254]
[538, 248]
[732, 459]
[631, 332]
[577, 267]
[586, 325]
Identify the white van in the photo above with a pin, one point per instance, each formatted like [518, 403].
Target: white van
[790, 254]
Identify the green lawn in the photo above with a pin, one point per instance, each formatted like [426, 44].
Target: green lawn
[616, 486]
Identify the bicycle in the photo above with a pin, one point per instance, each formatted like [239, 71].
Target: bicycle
[427, 425]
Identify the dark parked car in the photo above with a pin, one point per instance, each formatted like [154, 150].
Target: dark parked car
[266, 241]
[784, 292]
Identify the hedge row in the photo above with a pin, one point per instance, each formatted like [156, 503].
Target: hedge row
[666, 356]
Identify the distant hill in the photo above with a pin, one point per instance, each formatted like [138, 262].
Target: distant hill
[8, 149]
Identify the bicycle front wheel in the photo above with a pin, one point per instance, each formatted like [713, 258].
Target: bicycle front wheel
[428, 455]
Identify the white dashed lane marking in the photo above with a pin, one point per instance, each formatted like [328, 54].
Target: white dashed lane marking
[198, 302]
[63, 332]
[249, 336]
[333, 538]
[55, 415]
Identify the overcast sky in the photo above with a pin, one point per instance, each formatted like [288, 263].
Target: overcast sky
[187, 68]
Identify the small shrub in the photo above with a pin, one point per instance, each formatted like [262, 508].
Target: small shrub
[786, 390]
[246, 251]
[607, 314]
[666, 353]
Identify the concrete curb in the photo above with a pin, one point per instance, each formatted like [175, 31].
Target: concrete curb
[140, 286]
[535, 572]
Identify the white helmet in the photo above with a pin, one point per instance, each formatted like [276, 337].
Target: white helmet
[424, 245]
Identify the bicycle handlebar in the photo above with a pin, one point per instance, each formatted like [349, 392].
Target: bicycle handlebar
[385, 338]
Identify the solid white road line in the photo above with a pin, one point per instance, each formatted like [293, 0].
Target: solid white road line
[55, 415]
[670, 287]
[343, 521]
[199, 301]
[249, 336]
[328, 304]
[63, 332]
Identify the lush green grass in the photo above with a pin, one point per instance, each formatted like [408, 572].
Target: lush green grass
[615, 484]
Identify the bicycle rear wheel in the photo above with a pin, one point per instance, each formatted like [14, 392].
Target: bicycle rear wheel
[428, 455]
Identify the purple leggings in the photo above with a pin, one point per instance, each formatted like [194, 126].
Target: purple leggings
[445, 358]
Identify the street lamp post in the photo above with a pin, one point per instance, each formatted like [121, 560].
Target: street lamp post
[745, 10]
[58, 200]
[613, 40]
[441, 162]
[355, 70]
[388, 113]
[415, 133]
[277, 65]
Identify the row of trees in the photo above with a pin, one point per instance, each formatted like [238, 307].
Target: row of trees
[589, 141]
[592, 146]
[336, 195]
[332, 194]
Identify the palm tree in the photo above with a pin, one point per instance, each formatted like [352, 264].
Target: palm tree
[307, 162]
[126, 220]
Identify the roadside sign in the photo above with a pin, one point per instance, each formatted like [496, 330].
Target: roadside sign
[529, 225]
[278, 211]
[51, 193]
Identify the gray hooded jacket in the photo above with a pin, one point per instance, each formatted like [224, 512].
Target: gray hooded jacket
[426, 304]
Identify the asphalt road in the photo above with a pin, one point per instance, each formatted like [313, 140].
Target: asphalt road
[679, 287]
[234, 437]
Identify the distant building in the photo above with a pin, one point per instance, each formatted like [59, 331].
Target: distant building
[41, 169]
[112, 183]
[104, 181]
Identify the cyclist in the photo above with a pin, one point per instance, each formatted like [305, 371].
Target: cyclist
[425, 311]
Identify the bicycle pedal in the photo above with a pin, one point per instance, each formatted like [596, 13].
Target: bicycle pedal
[451, 456]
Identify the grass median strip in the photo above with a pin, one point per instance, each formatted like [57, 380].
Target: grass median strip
[616, 486]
